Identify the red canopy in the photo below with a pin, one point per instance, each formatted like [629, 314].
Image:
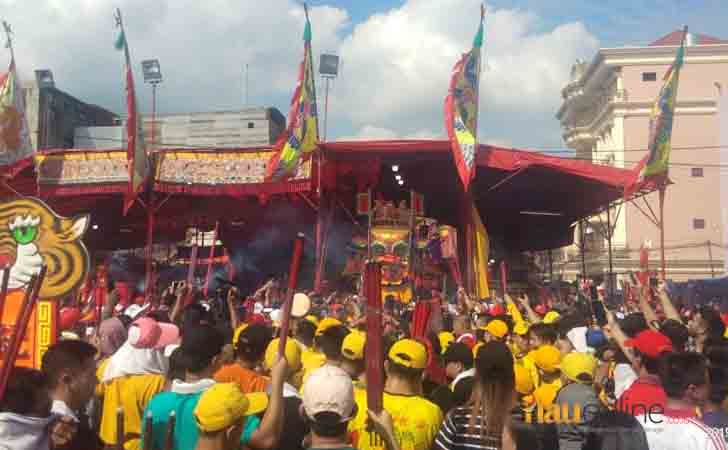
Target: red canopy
[529, 200]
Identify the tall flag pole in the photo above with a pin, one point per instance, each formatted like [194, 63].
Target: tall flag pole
[653, 169]
[16, 149]
[301, 137]
[461, 108]
[136, 153]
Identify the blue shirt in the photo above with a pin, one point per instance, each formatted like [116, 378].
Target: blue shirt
[185, 429]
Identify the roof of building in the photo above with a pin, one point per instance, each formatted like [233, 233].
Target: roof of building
[675, 37]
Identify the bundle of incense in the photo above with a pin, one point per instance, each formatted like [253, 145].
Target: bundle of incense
[374, 356]
[292, 280]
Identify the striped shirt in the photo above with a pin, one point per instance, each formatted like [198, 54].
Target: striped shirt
[455, 434]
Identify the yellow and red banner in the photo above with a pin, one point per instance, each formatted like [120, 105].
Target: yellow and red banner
[301, 137]
[461, 108]
[15, 145]
[654, 167]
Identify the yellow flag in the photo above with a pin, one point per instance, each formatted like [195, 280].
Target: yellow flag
[480, 258]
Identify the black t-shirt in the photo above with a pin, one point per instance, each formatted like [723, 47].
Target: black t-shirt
[295, 428]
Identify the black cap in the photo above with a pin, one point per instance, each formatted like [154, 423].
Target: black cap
[459, 352]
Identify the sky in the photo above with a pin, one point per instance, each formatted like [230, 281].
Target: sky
[397, 55]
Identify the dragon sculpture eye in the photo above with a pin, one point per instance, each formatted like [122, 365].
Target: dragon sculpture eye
[24, 229]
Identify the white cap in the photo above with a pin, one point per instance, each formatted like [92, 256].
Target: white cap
[258, 308]
[329, 389]
[135, 310]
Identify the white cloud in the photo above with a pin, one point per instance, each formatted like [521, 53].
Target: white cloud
[202, 47]
[395, 71]
[399, 64]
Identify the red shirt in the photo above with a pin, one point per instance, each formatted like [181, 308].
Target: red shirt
[645, 394]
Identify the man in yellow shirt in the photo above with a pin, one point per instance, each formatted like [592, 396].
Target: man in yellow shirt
[416, 419]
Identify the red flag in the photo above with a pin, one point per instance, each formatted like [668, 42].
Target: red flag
[136, 153]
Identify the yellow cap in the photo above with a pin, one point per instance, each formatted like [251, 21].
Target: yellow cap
[496, 328]
[353, 345]
[236, 335]
[521, 328]
[224, 405]
[579, 367]
[551, 317]
[409, 353]
[476, 347]
[446, 338]
[293, 354]
[313, 319]
[545, 395]
[524, 382]
[547, 358]
[325, 324]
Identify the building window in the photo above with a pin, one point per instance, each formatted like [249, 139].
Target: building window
[251, 125]
[698, 224]
[649, 76]
[696, 172]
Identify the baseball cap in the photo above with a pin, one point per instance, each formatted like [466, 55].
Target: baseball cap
[293, 354]
[540, 309]
[224, 404]
[579, 367]
[650, 342]
[135, 310]
[329, 389]
[353, 345]
[409, 353]
[325, 324]
[148, 333]
[496, 310]
[446, 338]
[547, 358]
[236, 334]
[459, 352]
[313, 319]
[551, 317]
[496, 328]
[524, 382]
[467, 339]
[521, 328]
[595, 338]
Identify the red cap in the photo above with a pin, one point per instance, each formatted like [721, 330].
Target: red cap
[541, 309]
[497, 310]
[467, 339]
[650, 342]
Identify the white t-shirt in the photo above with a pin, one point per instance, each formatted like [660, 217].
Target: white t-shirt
[624, 376]
[666, 433]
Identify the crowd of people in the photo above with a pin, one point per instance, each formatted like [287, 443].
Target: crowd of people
[499, 373]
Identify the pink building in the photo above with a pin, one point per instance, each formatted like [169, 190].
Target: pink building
[605, 119]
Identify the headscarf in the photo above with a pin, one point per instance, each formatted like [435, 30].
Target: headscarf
[112, 335]
[129, 360]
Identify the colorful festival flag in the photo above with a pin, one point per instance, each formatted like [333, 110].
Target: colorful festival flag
[461, 108]
[654, 167]
[15, 145]
[136, 153]
[301, 136]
